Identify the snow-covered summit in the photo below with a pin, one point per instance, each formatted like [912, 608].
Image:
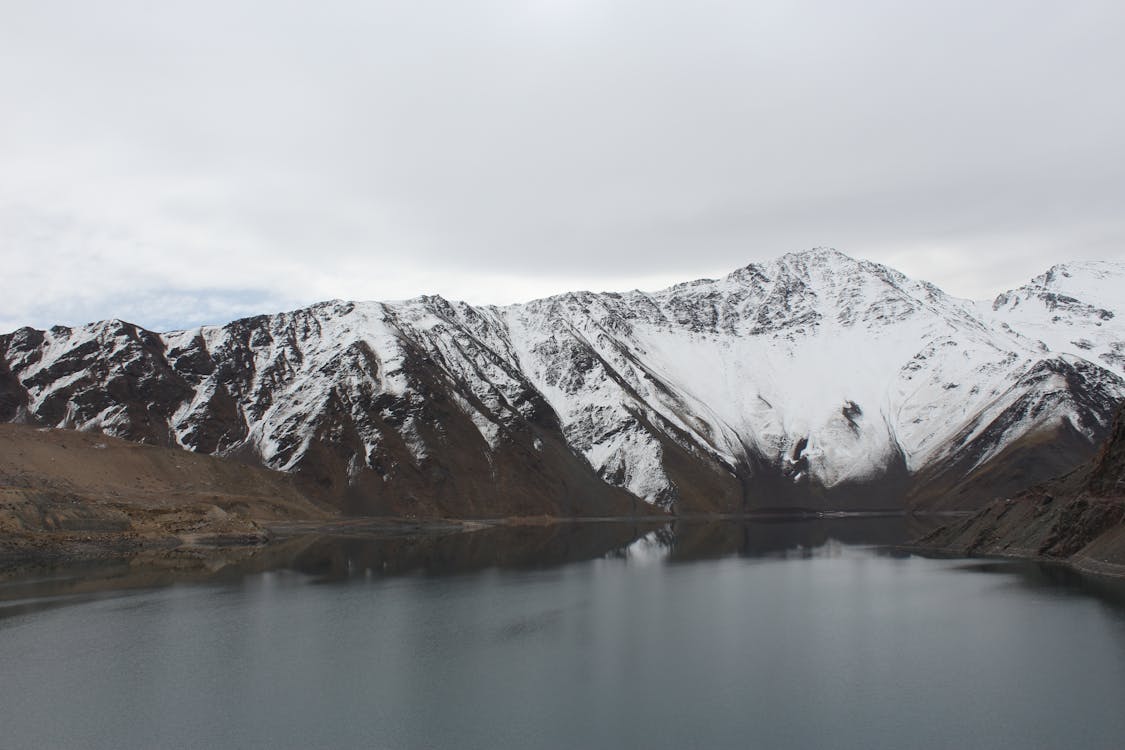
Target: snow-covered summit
[1094, 282]
[1076, 308]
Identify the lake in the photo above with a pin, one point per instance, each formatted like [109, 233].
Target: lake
[795, 634]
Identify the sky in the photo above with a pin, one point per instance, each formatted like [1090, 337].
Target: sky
[178, 163]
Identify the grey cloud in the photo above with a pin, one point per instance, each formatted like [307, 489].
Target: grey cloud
[508, 148]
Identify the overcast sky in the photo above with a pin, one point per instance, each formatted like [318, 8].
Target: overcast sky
[173, 163]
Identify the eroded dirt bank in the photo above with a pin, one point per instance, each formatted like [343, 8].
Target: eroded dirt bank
[71, 495]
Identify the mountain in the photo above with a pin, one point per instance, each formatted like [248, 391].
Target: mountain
[813, 381]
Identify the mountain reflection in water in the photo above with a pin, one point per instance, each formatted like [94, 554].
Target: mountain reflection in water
[331, 556]
[360, 555]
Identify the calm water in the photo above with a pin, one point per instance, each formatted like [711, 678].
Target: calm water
[764, 635]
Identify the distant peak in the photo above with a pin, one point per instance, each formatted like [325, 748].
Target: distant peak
[1079, 269]
[1095, 267]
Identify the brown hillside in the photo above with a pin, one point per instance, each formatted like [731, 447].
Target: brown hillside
[60, 487]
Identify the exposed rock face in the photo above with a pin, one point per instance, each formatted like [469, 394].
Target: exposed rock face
[1078, 517]
[1107, 478]
[812, 381]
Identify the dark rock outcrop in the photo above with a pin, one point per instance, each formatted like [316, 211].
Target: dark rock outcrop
[1078, 518]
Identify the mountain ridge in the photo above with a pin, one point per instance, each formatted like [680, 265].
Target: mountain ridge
[811, 380]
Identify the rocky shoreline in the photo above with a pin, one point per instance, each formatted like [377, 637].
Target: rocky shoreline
[1087, 534]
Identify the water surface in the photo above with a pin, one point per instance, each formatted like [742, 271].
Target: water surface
[758, 635]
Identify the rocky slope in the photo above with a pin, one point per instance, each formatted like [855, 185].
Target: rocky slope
[1078, 517]
[815, 380]
[69, 493]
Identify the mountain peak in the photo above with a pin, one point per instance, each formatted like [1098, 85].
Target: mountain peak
[817, 254]
[799, 261]
[1093, 284]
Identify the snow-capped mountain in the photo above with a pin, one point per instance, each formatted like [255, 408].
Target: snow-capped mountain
[815, 380]
[1072, 308]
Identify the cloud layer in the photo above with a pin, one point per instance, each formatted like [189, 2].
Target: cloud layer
[176, 163]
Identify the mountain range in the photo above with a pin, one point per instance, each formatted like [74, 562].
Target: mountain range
[814, 381]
